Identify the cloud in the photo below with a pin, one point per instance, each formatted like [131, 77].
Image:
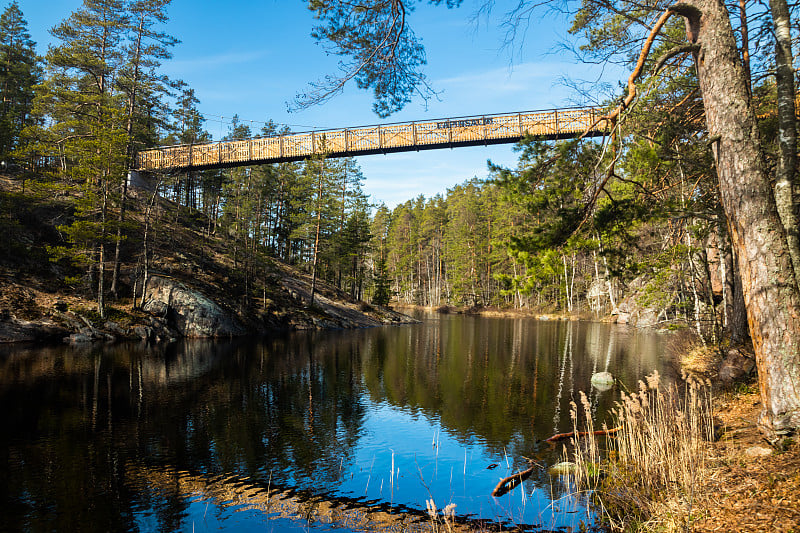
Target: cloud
[215, 62]
[507, 79]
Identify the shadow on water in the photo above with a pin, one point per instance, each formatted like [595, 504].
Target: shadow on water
[344, 429]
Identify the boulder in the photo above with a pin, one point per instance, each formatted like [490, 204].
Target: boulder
[143, 332]
[189, 312]
[13, 330]
[114, 328]
[648, 317]
[602, 381]
[736, 365]
[640, 307]
[78, 338]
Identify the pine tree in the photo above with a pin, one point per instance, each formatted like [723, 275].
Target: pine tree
[316, 169]
[382, 294]
[88, 125]
[19, 73]
[138, 80]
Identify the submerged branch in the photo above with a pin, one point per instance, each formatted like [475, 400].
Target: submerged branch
[562, 436]
[511, 482]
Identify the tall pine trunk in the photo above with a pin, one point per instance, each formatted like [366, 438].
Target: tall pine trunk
[316, 233]
[757, 235]
[129, 158]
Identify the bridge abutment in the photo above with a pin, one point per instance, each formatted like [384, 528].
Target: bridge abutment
[138, 179]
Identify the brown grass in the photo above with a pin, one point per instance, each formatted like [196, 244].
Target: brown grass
[665, 471]
[649, 474]
[701, 361]
[742, 492]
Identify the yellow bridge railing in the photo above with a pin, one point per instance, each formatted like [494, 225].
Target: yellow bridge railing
[387, 138]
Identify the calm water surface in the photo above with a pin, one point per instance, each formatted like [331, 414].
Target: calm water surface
[314, 431]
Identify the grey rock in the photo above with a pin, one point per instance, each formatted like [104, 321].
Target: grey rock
[638, 308]
[14, 330]
[648, 317]
[735, 366]
[758, 451]
[78, 338]
[143, 332]
[189, 312]
[563, 468]
[113, 327]
[156, 307]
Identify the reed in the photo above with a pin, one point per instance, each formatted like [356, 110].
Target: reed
[648, 476]
[444, 522]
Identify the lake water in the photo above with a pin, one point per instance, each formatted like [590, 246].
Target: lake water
[305, 431]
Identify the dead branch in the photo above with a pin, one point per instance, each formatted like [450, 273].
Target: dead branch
[612, 118]
[562, 436]
[678, 50]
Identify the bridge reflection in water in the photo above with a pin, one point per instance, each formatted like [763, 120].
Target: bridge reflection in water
[242, 493]
[401, 137]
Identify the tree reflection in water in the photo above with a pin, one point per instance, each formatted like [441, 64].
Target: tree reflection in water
[108, 437]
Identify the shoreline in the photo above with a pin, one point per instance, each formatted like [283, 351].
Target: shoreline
[500, 312]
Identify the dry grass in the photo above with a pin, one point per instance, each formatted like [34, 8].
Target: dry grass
[694, 357]
[444, 523]
[701, 361]
[649, 474]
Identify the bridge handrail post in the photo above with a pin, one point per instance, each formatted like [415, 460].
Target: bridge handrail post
[346, 141]
[380, 137]
[519, 121]
[450, 132]
[219, 146]
[414, 133]
[313, 144]
[280, 146]
[558, 130]
[485, 131]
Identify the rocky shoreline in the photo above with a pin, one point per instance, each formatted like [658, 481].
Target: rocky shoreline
[173, 309]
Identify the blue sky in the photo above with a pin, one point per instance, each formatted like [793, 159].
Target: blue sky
[251, 57]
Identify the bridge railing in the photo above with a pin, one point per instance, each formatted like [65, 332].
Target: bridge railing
[459, 131]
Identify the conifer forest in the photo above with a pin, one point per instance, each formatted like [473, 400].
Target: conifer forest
[684, 215]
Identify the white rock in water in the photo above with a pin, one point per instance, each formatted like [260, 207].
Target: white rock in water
[563, 468]
[602, 381]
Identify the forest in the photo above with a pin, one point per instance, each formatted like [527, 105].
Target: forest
[648, 218]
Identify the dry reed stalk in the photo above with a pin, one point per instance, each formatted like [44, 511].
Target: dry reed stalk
[649, 476]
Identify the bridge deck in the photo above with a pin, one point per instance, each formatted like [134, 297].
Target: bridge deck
[401, 137]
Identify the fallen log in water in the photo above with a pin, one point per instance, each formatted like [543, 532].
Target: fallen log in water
[511, 482]
[562, 436]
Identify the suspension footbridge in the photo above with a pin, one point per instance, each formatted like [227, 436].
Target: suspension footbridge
[455, 132]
